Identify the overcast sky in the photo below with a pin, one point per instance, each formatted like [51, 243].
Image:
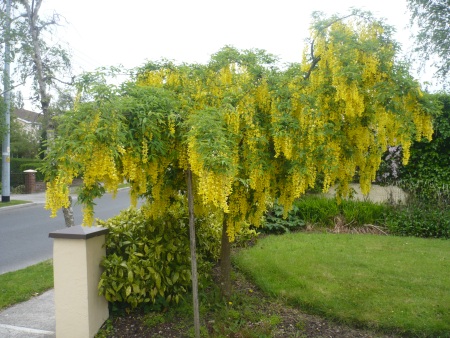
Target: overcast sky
[110, 32]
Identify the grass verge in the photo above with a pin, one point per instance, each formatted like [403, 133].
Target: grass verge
[21, 285]
[12, 202]
[393, 284]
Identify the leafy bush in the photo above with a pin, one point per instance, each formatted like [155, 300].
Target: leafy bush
[18, 165]
[20, 189]
[148, 259]
[361, 212]
[419, 220]
[431, 191]
[321, 211]
[427, 176]
[276, 224]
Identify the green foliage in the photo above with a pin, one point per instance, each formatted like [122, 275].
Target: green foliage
[34, 164]
[427, 176]
[321, 211]
[359, 213]
[18, 165]
[419, 220]
[275, 223]
[249, 313]
[246, 236]
[433, 37]
[145, 259]
[148, 259]
[24, 144]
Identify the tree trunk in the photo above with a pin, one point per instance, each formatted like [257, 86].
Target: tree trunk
[225, 262]
[193, 255]
[33, 16]
[68, 214]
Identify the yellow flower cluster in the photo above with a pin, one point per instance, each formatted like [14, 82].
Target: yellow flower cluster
[262, 97]
[144, 151]
[283, 144]
[88, 215]
[232, 118]
[225, 76]
[100, 167]
[212, 187]
[57, 194]
[215, 188]
[349, 94]
[171, 125]
[154, 78]
[238, 204]
[134, 172]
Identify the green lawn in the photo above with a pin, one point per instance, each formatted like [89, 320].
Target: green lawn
[396, 284]
[21, 285]
[12, 202]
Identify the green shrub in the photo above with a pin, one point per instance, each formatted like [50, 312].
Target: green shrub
[361, 212]
[419, 220]
[35, 165]
[321, 211]
[18, 165]
[431, 191]
[149, 260]
[20, 189]
[144, 259]
[276, 224]
[427, 176]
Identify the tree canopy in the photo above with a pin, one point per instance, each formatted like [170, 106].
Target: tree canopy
[433, 37]
[250, 131]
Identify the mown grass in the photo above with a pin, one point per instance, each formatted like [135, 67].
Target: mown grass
[21, 285]
[394, 284]
[12, 202]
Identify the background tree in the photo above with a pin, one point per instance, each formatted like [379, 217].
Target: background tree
[249, 132]
[433, 37]
[35, 56]
[44, 61]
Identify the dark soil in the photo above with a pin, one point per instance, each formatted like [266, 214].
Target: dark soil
[291, 322]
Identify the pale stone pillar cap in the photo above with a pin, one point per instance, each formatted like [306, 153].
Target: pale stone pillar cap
[78, 232]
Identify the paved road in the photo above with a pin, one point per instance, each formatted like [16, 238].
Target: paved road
[24, 230]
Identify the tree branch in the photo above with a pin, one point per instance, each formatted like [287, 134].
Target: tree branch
[14, 87]
[71, 83]
[315, 61]
[320, 28]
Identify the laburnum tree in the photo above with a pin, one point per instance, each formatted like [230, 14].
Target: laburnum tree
[249, 132]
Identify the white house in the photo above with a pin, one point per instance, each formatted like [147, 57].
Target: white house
[31, 121]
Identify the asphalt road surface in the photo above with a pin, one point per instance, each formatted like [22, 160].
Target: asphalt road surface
[24, 230]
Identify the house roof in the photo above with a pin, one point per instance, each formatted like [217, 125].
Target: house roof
[28, 116]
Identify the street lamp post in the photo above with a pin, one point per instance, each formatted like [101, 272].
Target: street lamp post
[6, 151]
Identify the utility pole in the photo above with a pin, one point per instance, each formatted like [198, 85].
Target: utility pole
[6, 151]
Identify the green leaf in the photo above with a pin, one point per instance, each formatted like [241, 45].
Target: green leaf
[175, 277]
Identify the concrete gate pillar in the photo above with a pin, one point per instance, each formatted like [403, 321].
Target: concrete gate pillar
[77, 253]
